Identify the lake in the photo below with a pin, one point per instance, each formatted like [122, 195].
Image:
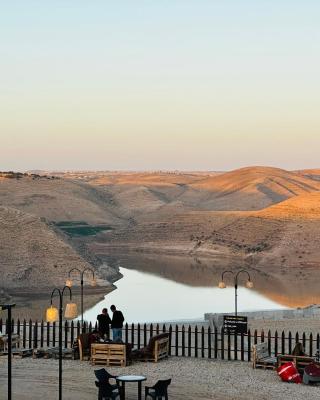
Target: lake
[146, 297]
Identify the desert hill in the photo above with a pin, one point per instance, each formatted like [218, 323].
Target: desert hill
[152, 196]
[58, 200]
[32, 255]
[310, 173]
[282, 235]
[254, 188]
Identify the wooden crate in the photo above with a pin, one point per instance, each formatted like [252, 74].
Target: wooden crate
[108, 354]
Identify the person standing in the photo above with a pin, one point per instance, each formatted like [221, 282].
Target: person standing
[116, 323]
[104, 322]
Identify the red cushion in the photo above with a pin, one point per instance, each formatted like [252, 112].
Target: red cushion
[313, 370]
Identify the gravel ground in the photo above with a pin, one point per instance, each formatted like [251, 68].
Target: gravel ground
[191, 379]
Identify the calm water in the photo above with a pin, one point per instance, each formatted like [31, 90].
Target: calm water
[146, 297]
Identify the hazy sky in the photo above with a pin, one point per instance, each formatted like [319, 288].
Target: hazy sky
[170, 84]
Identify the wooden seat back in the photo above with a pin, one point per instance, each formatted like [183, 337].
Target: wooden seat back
[161, 348]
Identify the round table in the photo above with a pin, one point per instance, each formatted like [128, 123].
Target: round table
[130, 378]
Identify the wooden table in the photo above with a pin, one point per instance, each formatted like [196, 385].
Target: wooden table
[130, 378]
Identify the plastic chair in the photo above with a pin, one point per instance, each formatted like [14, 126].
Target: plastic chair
[159, 390]
[106, 391]
[103, 377]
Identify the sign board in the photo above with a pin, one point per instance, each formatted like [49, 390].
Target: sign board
[235, 324]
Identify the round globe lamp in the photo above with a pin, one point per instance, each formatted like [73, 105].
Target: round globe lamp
[52, 314]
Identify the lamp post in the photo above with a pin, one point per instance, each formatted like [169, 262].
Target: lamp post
[249, 284]
[9, 328]
[69, 284]
[54, 315]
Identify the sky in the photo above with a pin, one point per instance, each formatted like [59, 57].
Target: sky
[159, 85]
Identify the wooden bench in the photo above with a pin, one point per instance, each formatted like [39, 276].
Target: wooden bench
[108, 354]
[261, 357]
[157, 349]
[300, 361]
[15, 340]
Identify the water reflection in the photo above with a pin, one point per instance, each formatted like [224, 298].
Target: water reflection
[289, 287]
[145, 297]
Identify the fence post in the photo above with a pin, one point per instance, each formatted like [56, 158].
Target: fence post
[222, 344]
[202, 342]
[196, 341]
[304, 340]
[48, 334]
[229, 345]
[249, 345]
[269, 343]
[290, 342]
[189, 341]
[310, 345]
[276, 344]
[66, 329]
[24, 330]
[262, 336]
[297, 337]
[18, 330]
[72, 333]
[170, 339]
[138, 336]
[132, 334]
[255, 337]
[215, 342]
[235, 346]
[151, 330]
[242, 346]
[183, 341]
[30, 334]
[126, 332]
[41, 333]
[35, 335]
[157, 329]
[78, 329]
[177, 340]
[283, 344]
[53, 334]
[209, 343]
[145, 335]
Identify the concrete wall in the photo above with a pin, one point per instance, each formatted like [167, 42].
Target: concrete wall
[216, 320]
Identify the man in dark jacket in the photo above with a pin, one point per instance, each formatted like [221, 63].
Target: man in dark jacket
[103, 324]
[116, 324]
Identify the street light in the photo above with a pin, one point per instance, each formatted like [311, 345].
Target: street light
[249, 284]
[69, 284]
[9, 332]
[54, 315]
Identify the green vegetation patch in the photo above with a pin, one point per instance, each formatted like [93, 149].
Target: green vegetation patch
[81, 228]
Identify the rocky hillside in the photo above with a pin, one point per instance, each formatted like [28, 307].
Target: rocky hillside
[31, 254]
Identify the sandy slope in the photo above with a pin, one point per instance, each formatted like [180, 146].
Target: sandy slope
[31, 254]
[58, 200]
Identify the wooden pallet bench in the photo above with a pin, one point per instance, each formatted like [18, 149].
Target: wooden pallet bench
[261, 357]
